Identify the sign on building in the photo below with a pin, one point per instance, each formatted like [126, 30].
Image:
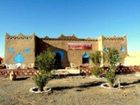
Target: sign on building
[79, 46]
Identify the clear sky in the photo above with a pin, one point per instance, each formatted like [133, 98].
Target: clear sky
[85, 18]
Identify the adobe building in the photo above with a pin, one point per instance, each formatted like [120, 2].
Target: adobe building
[24, 49]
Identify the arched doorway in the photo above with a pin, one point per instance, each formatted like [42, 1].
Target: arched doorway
[85, 58]
[58, 59]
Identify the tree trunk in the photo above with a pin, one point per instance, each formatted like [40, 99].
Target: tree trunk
[41, 88]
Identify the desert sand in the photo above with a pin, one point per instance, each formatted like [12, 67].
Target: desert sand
[132, 59]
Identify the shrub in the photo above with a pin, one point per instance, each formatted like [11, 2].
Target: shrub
[96, 57]
[111, 77]
[45, 61]
[97, 71]
[112, 57]
[40, 80]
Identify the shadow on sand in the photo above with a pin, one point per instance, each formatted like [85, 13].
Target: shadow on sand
[78, 88]
[92, 84]
[21, 78]
[132, 83]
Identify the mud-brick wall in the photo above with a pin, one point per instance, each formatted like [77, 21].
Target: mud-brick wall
[19, 49]
[73, 56]
[119, 43]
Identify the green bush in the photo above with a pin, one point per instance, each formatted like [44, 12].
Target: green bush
[45, 61]
[111, 77]
[111, 56]
[97, 71]
[40, 80]
[96, 57]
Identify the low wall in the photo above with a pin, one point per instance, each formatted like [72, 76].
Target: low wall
[23, 72]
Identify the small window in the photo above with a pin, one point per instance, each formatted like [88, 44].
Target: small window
[122, 49]
[85, 58]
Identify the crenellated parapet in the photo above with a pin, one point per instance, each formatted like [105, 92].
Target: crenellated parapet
[19, 36]
[114, 38]
[73, 37]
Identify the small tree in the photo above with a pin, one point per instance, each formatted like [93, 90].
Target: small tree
[112, 57]
[40, 81]
[96, 59]
[45, 63]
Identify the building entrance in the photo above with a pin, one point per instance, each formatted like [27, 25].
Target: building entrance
[58, 59]
[85, 58]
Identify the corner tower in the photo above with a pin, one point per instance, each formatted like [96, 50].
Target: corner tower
[19, 49]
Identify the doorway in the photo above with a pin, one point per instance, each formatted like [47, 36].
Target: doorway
[58, 59]
[85, 58]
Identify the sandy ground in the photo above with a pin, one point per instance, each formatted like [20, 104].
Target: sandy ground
[70, 91]
[132, 59]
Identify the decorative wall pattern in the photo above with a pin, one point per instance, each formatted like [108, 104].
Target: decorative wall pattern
[19, 57]
[26, 50]
[10, 50]
[20, 48]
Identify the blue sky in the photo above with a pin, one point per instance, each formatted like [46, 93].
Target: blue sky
[85, 18]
